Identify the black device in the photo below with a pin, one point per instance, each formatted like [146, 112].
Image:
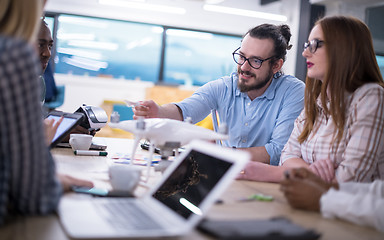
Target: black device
[94, 117]
[70, 121]
[264, 229]
[145, 145]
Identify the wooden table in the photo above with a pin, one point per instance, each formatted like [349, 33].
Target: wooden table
[49, 228]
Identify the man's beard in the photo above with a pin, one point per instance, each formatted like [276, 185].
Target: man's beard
[256, 86]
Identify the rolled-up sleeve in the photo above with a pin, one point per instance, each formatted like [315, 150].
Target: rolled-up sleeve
[284, 123]
[205, 98]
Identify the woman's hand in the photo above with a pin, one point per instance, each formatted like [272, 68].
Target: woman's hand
[50, 128]
[257, 171]
[324, 169]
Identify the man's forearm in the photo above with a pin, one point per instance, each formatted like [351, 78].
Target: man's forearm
[258, 154]
[171, 111]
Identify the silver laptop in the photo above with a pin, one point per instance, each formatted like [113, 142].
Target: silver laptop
[188, 188]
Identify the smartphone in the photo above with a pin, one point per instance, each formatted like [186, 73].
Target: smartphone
[101, 192]
[70, 121]
[93, 191]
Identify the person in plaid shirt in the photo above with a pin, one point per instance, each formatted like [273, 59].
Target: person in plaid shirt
[28, 180]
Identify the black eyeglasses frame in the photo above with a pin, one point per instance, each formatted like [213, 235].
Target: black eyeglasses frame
[317, 43]
[234, 54]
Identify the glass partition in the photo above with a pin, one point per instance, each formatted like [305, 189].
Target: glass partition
[380, 62]
[126, 50]
[50, 22]
[103, 47]
[194, 58]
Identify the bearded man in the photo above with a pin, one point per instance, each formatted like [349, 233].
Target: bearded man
[258, 103]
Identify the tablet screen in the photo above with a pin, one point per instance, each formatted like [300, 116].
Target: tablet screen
[63, 127]
[69, 122]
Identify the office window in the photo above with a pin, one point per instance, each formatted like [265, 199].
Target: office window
[194, 58]
[374, 17]
[50, 21]
[380, 62]
[102, 47]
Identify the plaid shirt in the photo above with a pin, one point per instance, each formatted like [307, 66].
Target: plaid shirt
[28, 183]
[360, 155]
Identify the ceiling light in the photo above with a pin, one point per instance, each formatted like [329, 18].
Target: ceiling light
[83, 22]
[96, 55]
[189, 34]
[213, 1]
[144, 6]
[94, 45]
[245, 13]
[85, 63]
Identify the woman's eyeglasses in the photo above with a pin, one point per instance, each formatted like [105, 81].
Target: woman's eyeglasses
[313, 45]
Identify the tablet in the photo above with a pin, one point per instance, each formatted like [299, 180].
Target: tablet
[70, 121]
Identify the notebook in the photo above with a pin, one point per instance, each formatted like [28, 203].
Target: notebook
[188, 188]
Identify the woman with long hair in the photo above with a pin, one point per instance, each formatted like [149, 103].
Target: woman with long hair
[340, 133]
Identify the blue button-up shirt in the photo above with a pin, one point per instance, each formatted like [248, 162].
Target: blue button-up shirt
[266, 121]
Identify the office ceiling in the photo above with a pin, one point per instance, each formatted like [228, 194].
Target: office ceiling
[195, 16]
[273, 7]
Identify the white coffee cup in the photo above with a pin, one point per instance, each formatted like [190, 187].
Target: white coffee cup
[124, 177]
[80, 141]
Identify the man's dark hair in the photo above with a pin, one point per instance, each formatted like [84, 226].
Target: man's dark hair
[281, 35]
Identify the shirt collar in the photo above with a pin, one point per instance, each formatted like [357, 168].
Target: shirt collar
[271, 90]
[320, 105]
[347, 98]
[268, 94]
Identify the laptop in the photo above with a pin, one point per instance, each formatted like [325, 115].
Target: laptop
[188, 188]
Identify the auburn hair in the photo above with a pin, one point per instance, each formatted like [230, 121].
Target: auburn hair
[351, 63]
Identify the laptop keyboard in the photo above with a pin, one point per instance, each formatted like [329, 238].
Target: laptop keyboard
[126, 215]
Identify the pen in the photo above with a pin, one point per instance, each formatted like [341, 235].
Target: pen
[90, 153]
[286, 174]
[258, 197]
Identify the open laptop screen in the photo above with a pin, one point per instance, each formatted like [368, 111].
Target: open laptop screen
[189, 184]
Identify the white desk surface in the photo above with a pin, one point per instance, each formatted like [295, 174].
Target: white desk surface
[94, 167]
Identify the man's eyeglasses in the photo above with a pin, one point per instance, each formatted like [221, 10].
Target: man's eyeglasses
[252, 61]
[313, 45]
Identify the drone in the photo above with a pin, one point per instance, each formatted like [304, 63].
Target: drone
[168, 135]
